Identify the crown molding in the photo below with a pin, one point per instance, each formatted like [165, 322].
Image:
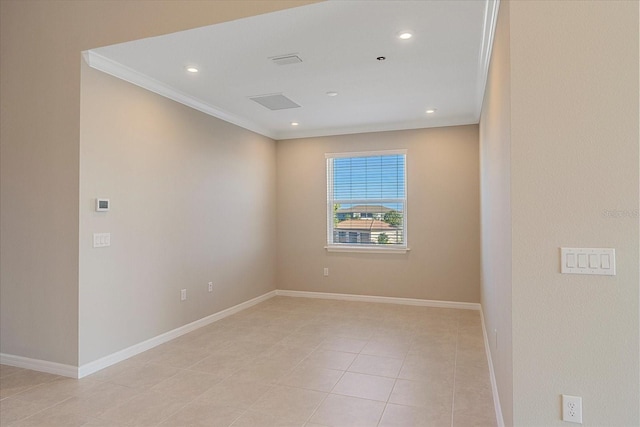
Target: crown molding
[111, 67]
[488, 34]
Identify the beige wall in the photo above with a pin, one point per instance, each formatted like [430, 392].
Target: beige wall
[495, 196]
[573, 156]
[40, 46]
[193, 201]
[443, 224]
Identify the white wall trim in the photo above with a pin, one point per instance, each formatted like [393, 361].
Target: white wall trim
[39, 365]
[109, 66]
[488, 33]
[386, 300]
[492, 375]
[96, 365]
[119, 356]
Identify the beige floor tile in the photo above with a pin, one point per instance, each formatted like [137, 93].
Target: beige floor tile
[346, 411]
[179, 357]
[386, 349]
[473, 378]
[233, 392]
[460, 420]
[95, 422]
[221, 365]
[473, 404]
[348, 345]
[12, 410]
[23, 380]
[330, 359]
[107, 374]
[410, 416]
[145, 376]
[436, 396]
[285, 354]
[255, 361]
[288, 403]
[56, 391]
[95, 401]
[198, 414]
[145, 409]
[53, 417]
[312, 378]
[471, 357]
[302, 340]
[255, 419]
[427, 369]
[364, 386]
[265, 371]
[186, 383]
[376, 365]
[8, 370]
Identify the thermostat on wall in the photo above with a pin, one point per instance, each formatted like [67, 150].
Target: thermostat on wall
[102, 205]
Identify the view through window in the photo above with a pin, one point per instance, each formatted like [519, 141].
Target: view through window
[366, 199]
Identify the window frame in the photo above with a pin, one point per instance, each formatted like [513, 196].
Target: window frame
[332, 246]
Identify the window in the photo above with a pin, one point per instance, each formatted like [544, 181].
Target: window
[366, 201]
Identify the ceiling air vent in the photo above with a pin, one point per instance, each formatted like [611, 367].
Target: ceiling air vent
[286, 59]
[274, 102]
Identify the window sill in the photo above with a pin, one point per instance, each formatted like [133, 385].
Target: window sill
[367, 249]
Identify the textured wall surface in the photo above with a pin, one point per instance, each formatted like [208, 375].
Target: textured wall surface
[443, 224]
[572, 158]
[495, 180]
[41, 44]
[193, 200]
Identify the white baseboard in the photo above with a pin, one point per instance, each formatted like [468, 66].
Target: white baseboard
[112, 359]
[492, 375]
[39, 365]
[386, 300]
[119, 356]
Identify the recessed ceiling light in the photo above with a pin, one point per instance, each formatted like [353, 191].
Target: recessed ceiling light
[192, 69]
[294, 123]
[431, 111]
[332, 93]
[405, 35]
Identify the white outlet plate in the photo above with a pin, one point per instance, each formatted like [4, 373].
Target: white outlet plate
[600, 261]
[326, 271]
[572, 409]
[183, 295]
[210, 286]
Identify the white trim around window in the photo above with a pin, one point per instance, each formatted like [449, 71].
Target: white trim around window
[367, 201]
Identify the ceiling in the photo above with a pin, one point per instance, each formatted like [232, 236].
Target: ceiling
[442, 67]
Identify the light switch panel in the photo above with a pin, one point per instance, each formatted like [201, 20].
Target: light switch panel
[601, 261]
[100, 240]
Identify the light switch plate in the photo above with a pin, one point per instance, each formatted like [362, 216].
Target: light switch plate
[101, 240]
[600, 261]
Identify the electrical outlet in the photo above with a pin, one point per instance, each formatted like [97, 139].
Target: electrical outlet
[183, 295]
[326, 271]
[572, 409]
[210, 286]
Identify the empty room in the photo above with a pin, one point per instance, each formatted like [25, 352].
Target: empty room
[319, 213]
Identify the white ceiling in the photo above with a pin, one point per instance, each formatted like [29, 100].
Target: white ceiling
[443, 66]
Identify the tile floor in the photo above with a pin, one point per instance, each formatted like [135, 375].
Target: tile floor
[284, 362]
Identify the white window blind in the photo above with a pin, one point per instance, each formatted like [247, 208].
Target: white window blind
[366, 200]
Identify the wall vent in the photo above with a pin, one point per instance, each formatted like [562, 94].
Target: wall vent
[274, 101]
[286, 59]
